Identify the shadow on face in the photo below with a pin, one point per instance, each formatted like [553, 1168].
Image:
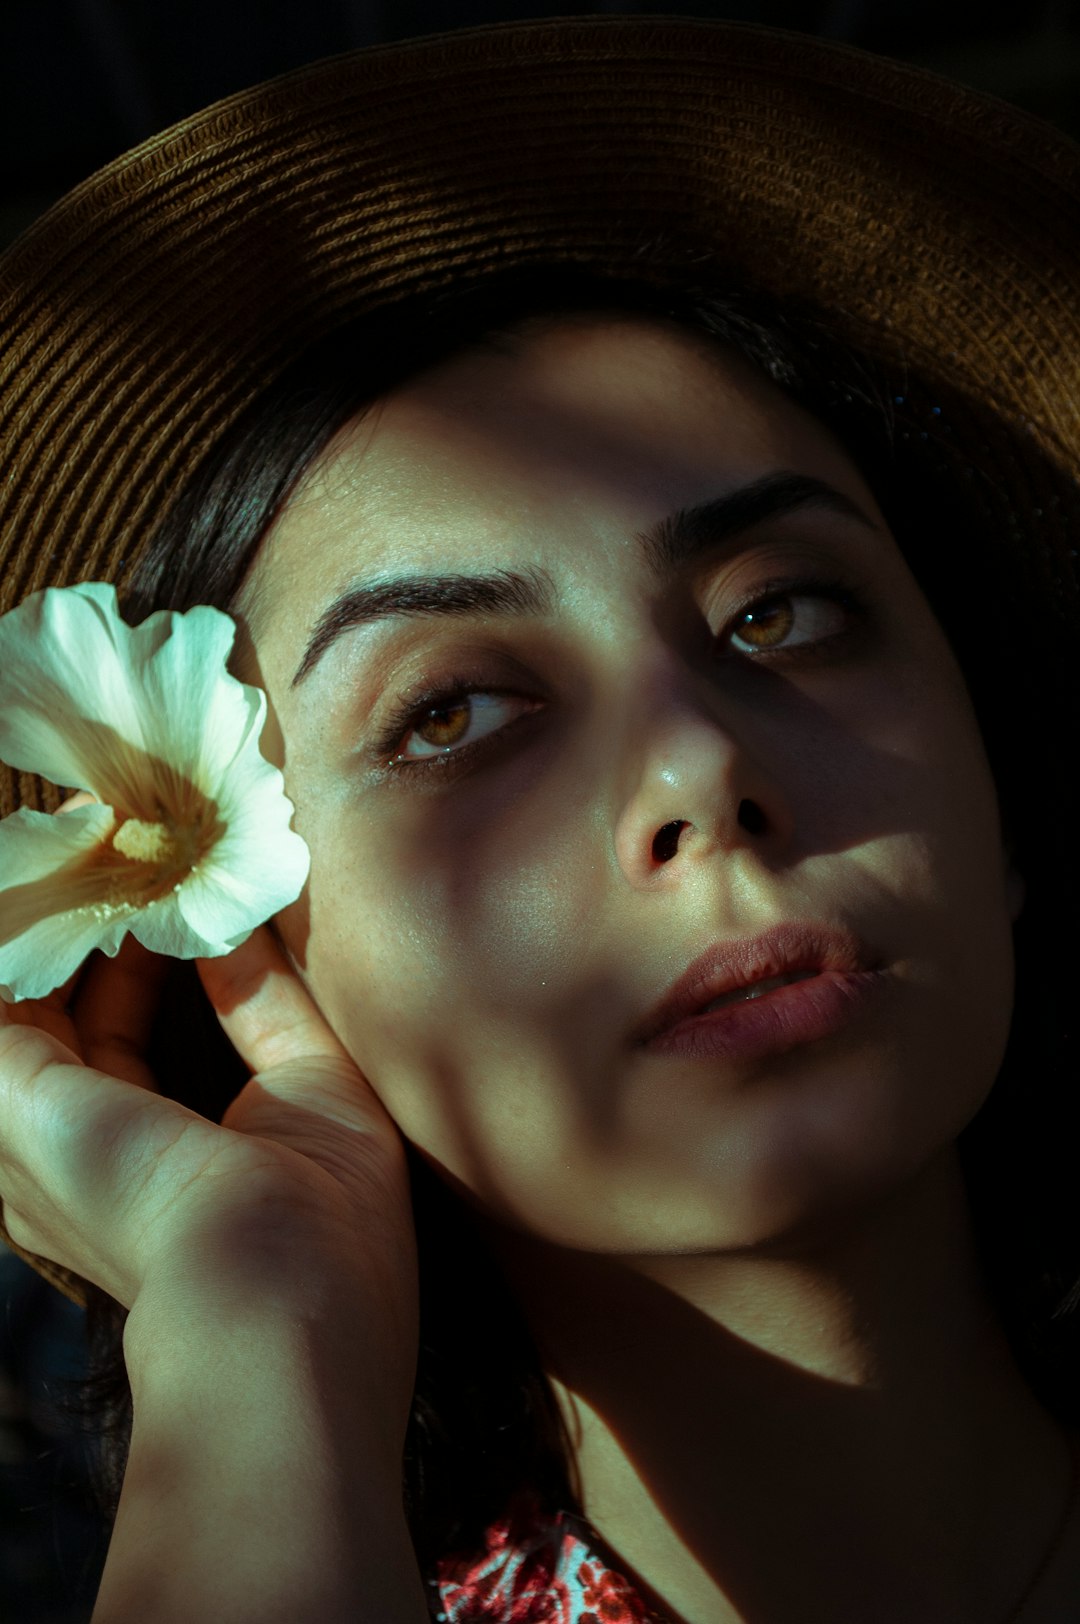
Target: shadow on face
[591, 652]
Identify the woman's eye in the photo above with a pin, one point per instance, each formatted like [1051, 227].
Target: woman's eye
[788, 620]
[442, 726]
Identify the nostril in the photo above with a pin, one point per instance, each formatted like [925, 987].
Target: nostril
[751, 818]
[666, 842]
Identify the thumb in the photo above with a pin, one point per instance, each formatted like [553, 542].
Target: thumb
[306, 1088]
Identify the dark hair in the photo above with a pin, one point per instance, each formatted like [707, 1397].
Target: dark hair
[484, 1422]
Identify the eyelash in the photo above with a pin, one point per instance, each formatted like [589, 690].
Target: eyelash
[412, 711]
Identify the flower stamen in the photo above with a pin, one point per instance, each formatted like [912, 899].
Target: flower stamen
[158, 856]
[145, 842]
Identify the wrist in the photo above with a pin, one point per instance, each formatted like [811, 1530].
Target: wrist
[311, 1320]
[264, 1452]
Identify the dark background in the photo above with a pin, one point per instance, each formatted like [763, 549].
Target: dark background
[82, 80]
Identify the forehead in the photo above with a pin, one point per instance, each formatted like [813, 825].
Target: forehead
[552, 447]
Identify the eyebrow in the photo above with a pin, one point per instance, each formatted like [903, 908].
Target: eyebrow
[666, 547]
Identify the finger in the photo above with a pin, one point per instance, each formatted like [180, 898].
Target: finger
[79, 1152]
[48, 1014]
[306, 1091]
[81, 797]
[22, 1014]
[266, 1011]
[115, 1009]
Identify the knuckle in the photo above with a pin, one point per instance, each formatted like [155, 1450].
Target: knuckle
[25, 1053]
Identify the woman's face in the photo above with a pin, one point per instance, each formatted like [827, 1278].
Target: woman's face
[481, 769]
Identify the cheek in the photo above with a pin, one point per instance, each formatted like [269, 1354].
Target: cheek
[438, 944]
[930, 766]
[951, 872]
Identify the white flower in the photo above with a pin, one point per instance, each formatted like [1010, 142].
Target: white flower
[190, 847]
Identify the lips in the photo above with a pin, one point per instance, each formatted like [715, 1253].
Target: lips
[757, 989]
[786, 951]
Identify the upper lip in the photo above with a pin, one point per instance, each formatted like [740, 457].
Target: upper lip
[726, 966]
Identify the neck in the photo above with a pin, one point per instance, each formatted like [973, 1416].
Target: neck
[741, 1419]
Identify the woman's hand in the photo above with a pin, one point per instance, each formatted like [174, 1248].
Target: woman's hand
[103, 1175]
[269, 1264]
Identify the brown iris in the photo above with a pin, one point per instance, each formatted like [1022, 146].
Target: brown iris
[768, 625]
[444, 725]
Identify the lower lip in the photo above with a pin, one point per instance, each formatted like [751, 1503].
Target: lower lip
[800, 1012]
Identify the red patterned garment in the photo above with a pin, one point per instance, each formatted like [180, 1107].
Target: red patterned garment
[538, 1569]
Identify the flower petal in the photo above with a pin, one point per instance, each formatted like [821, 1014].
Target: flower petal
[195, 714]
[255, 872]
[68, 706]
[45, 863]
[119, 710]
[163, 929]
[150, 720]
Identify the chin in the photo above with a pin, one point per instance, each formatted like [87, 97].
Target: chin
[788, 1193]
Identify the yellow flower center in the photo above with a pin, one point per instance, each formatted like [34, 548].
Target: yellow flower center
[146, 842]
[138, 863]
[168, 825]
[156, 856]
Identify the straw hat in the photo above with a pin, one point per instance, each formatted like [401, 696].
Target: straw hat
[937, 228]
[141, 313]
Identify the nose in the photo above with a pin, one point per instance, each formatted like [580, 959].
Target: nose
[700, 779]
